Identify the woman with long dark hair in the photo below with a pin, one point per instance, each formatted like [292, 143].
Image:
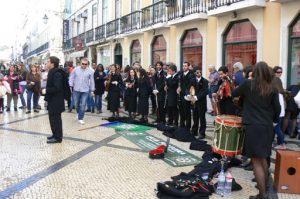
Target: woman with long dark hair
[144, 93]
[261, 109]
[131, 92]
[99, 77]
[114, 84]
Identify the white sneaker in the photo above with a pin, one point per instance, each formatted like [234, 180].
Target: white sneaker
[81, 121]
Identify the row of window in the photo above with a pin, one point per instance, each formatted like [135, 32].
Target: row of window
[240, 45]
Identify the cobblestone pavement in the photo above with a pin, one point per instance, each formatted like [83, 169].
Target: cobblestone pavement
[91, 162]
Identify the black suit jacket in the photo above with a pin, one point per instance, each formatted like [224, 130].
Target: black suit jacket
[201, 91]
[185, 83]
[160, 82]
[55, 91]
[172, 84]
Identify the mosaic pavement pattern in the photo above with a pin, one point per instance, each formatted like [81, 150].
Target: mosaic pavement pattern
[91, 162]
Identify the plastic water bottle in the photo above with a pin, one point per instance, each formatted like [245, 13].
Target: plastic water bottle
[221, 183]
[228, 184]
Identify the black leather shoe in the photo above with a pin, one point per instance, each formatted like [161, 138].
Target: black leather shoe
[50, 137]
[53, 140]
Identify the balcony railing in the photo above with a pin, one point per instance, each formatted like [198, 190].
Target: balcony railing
[181, 8]
[153, 14]
[39, 49]
[113, 28]
[131, 22]
[214, 4]
[68, 44]
[100, 32]
[90, 36]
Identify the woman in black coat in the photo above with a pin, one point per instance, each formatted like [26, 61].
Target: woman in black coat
[144, 92]
[99, 77]
[131, 92]
[114, 83]
[261, 109]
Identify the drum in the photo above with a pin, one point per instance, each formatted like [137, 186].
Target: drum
[228, 136]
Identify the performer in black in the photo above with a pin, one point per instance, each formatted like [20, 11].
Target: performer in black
[199, 103]
[131, 84]
[185, 80]
[114, 84]
[144, 91]
[160, 92]
[261, 108]
[226, 85]
[152, 96]
[54, 95]
[172, 95]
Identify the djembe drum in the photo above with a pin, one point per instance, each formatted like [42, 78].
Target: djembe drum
[228, 135]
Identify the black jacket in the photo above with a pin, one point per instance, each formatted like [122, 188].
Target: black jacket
[172, 96]
[185, 83]
[257, 109]
[160, 82]
[55, 92]
[201, 91]
[99, 82]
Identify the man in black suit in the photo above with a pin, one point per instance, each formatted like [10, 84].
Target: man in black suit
[159, 91]
[185, 80]
[199, 103]
[54, 95]
[172, 95]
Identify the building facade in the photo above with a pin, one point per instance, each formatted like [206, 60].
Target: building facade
[38, 37]
[203, 32]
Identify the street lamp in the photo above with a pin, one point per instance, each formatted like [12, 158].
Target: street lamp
[45, 18]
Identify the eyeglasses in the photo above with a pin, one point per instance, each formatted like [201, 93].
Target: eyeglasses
[278, 72]
[84, 64]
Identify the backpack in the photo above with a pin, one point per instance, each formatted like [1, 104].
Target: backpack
[67, 90]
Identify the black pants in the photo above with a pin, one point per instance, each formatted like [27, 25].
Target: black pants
[153, 102]
[199, 115]
[161, 113]
[56, 125]
[185, 113]
[173, 115]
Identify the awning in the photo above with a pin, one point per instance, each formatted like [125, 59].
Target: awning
[78, 53]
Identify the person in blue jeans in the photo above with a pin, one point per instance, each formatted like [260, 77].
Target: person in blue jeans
[278, 128]
[22, 75]
[82, 82]
[99, 77]
[90, 103]
[33, 80]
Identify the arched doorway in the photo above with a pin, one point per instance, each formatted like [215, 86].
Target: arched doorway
[239, 44]
[191, 48]
[159, 49]
[294, 52]
[135, 51]
[118, 55]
